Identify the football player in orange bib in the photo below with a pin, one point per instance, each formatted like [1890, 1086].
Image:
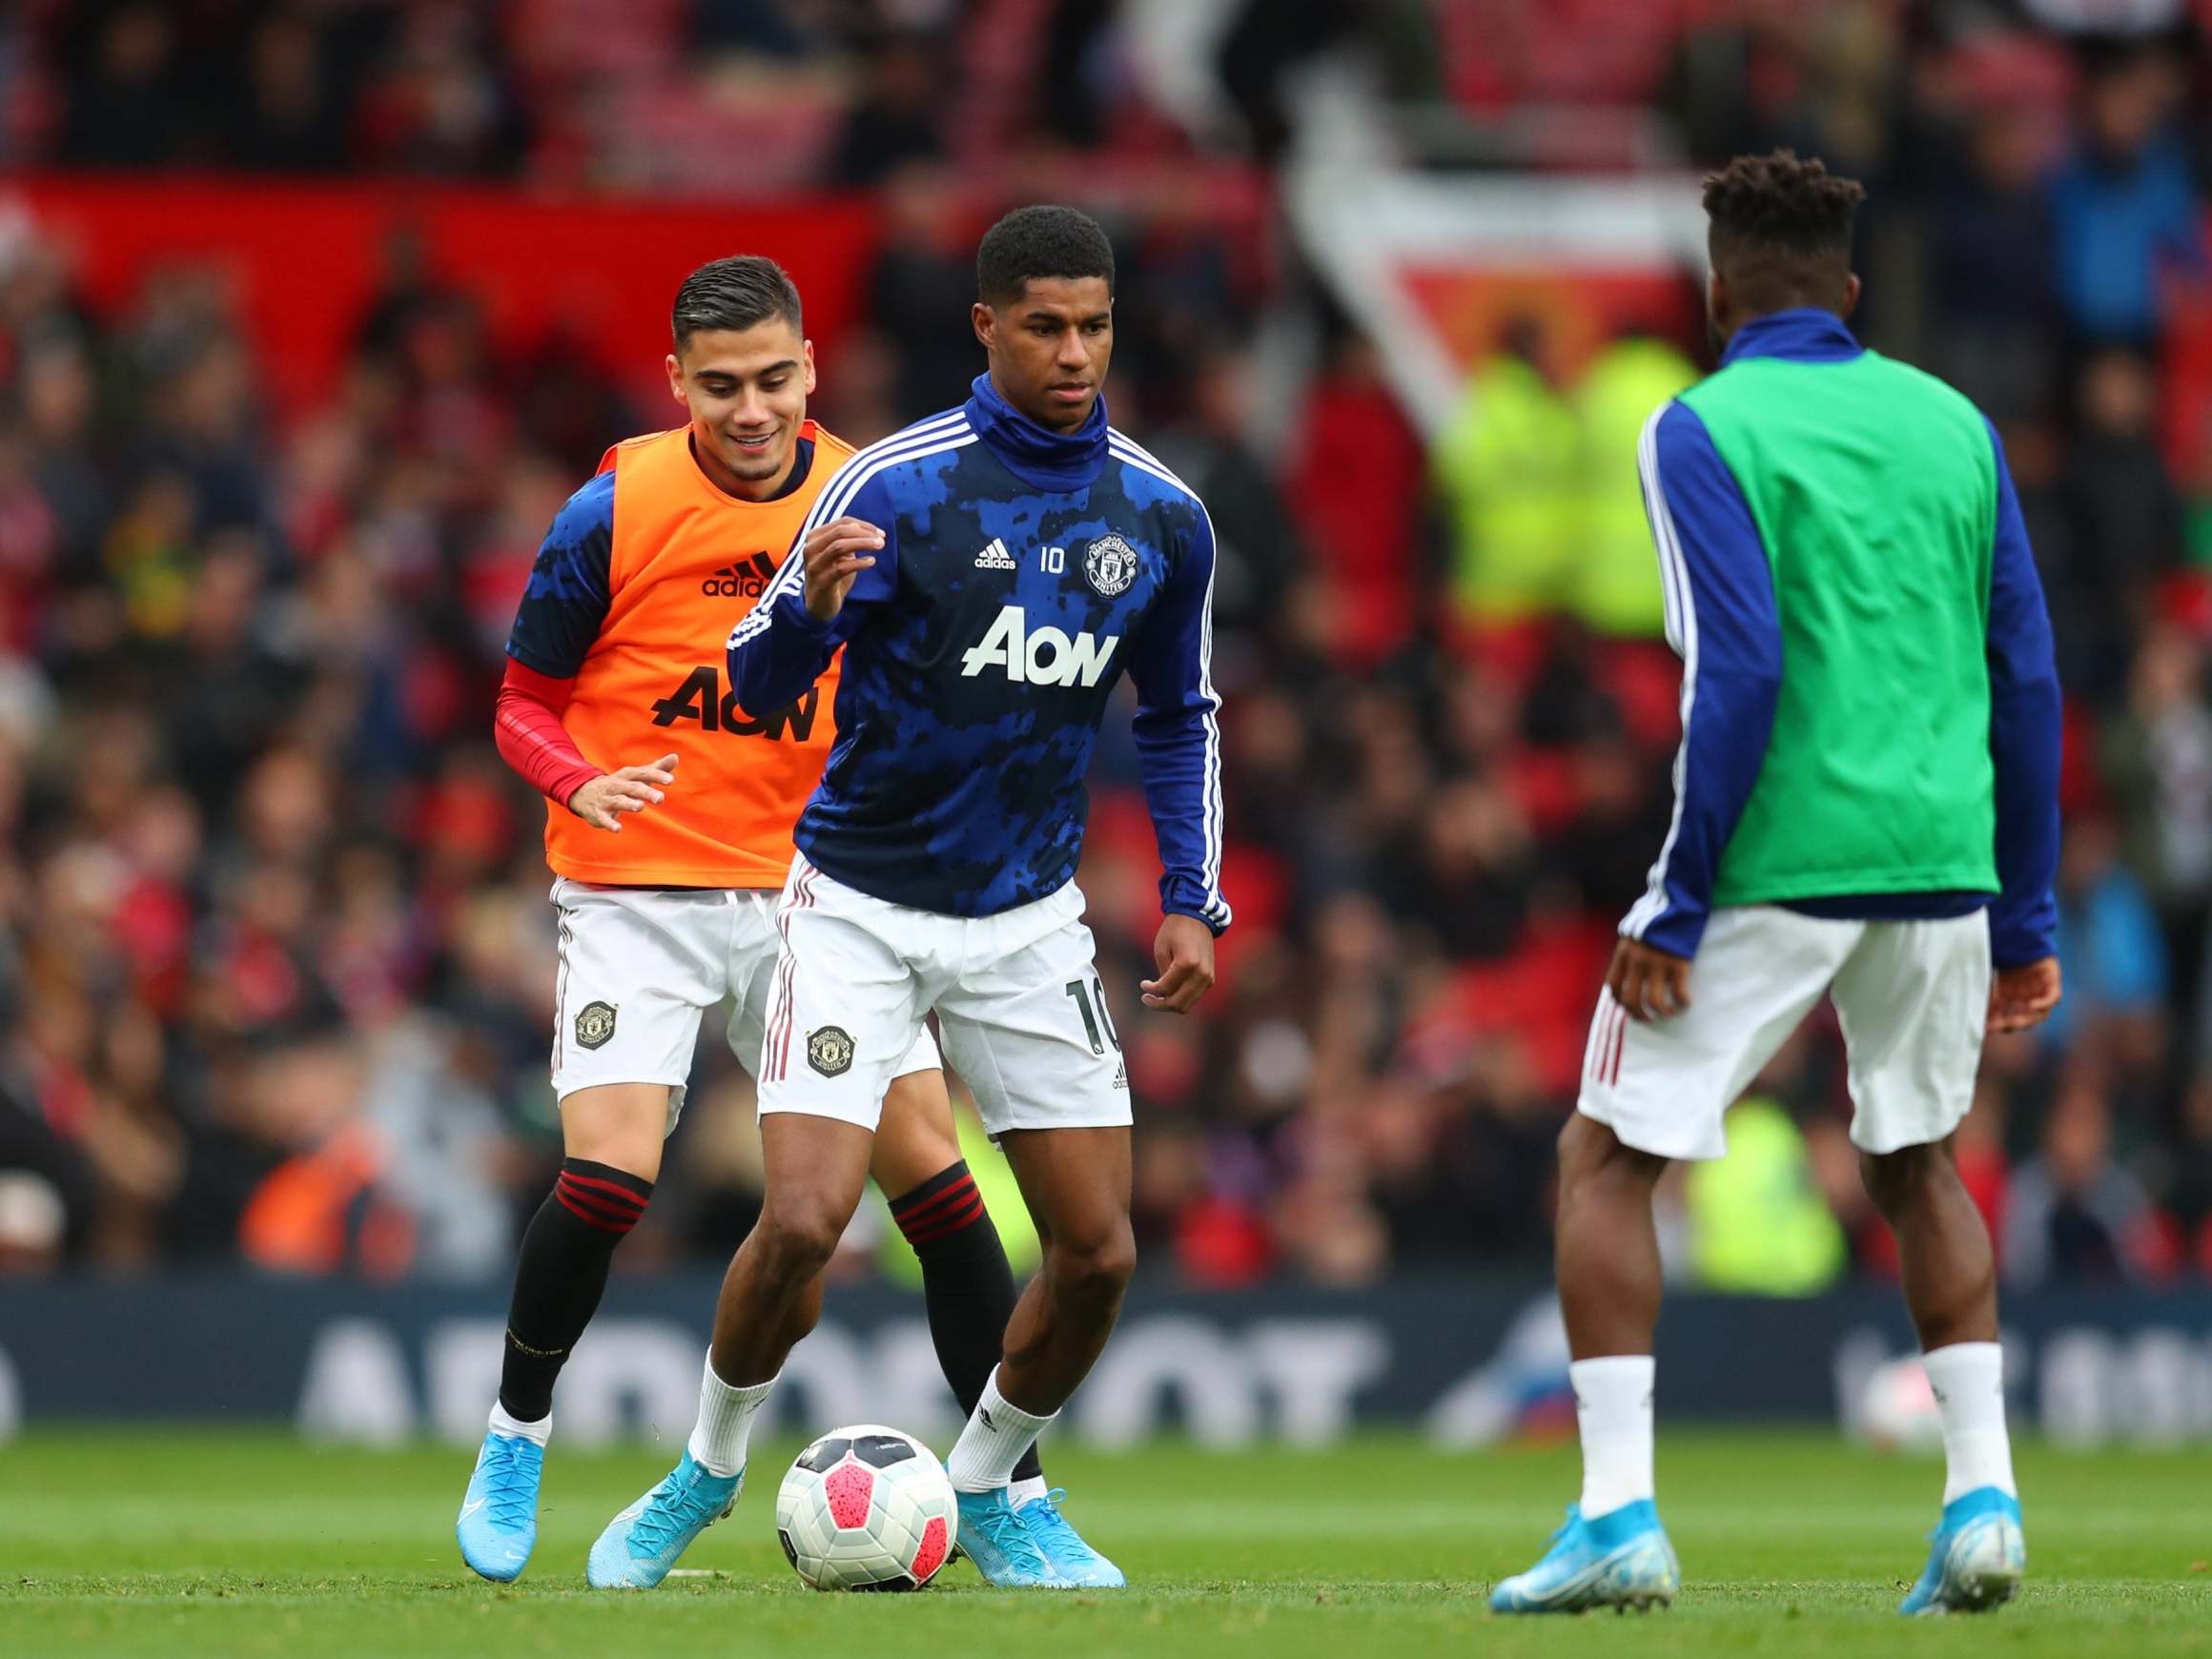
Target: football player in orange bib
[669, 826]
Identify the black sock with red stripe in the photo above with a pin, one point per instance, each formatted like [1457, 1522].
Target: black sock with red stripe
[566, 1251]
[967, 1285]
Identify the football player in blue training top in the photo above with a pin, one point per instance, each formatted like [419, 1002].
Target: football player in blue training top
[989, 573]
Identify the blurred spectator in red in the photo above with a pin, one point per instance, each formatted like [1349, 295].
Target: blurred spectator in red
[1354, 478]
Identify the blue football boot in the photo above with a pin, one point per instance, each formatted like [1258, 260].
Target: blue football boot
[996, 1538]
[1059, 1543]
[1976, 1556]
[1621, 1560]
[642, 1544]
[498, 1514]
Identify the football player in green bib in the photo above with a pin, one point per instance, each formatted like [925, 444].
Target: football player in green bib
[1866, 810]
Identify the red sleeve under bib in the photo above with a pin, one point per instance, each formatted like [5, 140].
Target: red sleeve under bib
[531, 739]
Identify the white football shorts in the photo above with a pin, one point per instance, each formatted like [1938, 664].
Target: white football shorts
[639, 965]
[1019, 998]
[1913, 998]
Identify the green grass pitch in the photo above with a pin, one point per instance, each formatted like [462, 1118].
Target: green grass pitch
[192, 1544]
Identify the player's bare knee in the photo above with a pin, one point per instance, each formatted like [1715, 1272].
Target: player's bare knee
[1096, 1265]
[1574, 1146]
[622, 1125]
[1584, 1146]
[799, 1232]
[1894, 1179]
[1592, 1158]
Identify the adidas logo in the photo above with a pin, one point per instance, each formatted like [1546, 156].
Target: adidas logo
[994, 557]
[1121, 1074]
[748, 580]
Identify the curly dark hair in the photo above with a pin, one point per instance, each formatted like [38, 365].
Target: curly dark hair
[737, 293]
[1781, 226]
[1040, 242]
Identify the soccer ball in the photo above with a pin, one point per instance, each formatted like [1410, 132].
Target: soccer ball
[1898, 1410]
[867, 1508]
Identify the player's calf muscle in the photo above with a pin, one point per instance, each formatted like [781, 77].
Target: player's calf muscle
[764, 1311]
[1063, 1320]
[1949, 1269]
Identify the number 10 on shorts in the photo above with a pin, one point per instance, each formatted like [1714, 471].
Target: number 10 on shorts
[1095, 1016]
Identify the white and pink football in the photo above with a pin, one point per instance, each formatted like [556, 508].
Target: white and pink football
[1898, 1411]
[867, 1508]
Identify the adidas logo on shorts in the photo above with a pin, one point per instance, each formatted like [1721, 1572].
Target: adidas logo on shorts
[994, 557]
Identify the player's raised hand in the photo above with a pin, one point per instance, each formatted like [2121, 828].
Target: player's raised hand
[1647, 983]
[836, 553]
[602, 802]
[1184, 952]
[2020, 997]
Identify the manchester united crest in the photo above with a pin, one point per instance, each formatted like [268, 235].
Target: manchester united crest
[830, 1051]
[594, 1024]
[1109, 566]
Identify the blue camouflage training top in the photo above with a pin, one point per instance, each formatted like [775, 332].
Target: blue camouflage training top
[1022, 571]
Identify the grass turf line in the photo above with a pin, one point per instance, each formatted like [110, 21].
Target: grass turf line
[195, 1544]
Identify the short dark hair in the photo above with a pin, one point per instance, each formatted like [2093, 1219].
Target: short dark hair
[737, 293]
[1780, 227]
[1040, 242]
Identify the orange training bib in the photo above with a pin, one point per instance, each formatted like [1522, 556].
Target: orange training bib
[688, 561]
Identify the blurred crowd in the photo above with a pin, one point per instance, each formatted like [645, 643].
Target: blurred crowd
[737, 96]
[276, 965]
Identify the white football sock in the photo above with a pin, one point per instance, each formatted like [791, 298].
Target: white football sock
[725, 1415]
[1613, 1403]
[1027, 1491]
[516, 1428]
[1969, 1383]
[992, 1443]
